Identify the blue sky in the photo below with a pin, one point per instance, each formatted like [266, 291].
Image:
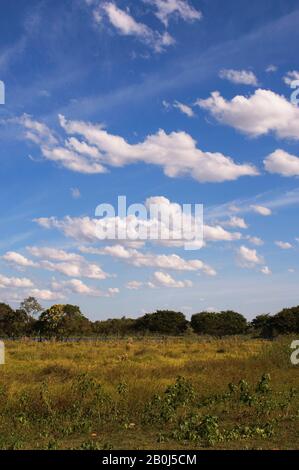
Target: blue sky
[134, 85]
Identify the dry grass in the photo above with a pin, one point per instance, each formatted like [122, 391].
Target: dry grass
[89, 395]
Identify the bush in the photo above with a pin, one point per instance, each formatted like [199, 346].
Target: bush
[163, 321]
[219, 324]
[116, 326]
[283, 323]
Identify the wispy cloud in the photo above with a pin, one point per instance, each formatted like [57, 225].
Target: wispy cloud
[243, 77]
[184, 108]
[126, 25]
[261, 203]
[178, 9]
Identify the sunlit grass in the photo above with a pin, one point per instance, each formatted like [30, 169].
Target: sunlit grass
[68, 395]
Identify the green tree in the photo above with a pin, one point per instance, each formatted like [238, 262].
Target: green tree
[205, 323]
[285, 322]
[63, 320]
[21, 324]
[31, 306]
[219, 324]
[14, 323]
[6, 313]
[162, 321]
[262, 325]
[233, 323]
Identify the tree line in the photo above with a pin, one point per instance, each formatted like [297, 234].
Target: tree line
[65, 320]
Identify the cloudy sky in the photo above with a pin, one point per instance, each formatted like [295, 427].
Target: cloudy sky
[184, 101]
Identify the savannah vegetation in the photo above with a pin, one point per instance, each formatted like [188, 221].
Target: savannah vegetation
[65, 320]
[158, 382]
[193, 392]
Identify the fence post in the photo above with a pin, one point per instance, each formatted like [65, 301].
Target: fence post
[2, 353]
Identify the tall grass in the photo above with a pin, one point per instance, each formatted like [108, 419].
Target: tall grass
[147, 393]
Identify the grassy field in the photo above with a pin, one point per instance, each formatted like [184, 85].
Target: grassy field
[188, 393]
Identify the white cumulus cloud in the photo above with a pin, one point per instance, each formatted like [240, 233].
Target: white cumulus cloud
[46, 294]
[248, 257]
[76, 286]
[15, 282]
[17, 259]
[244, 77]
[255, 240]
[177, 153]
[237, 222]
[53, 253]
[134, 285]
[168, 221]
[284, 245]
[166, 280]
[259, 114]
[282, 163]
[69, 264]
[162, 261]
